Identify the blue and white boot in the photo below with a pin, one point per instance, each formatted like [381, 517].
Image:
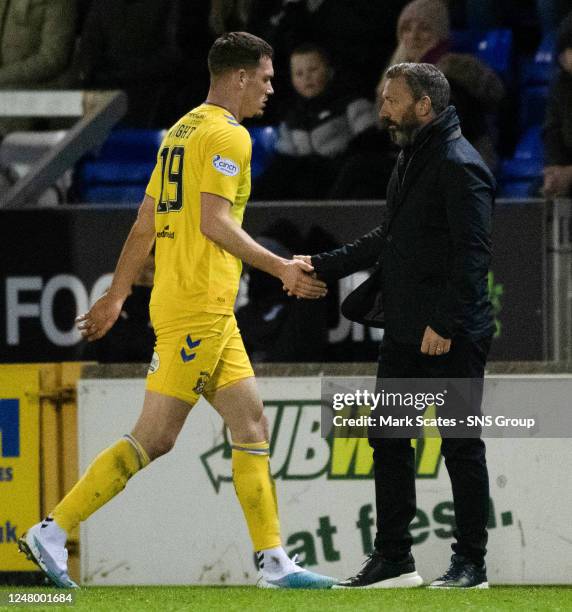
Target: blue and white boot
[277, 571]
[47, 553]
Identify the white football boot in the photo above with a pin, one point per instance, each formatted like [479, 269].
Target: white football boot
[51, 558]
[278, 571]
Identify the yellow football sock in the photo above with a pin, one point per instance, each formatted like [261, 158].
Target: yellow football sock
[106, 476]
[256, 493]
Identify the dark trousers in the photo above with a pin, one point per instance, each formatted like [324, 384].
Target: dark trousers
[394, 459]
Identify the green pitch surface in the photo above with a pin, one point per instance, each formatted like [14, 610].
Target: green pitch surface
[245, 599]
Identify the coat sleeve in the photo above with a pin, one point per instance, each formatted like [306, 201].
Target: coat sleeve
[285, 144]
[469, 191]
[54, 50]
[360, 114]
[351, 257]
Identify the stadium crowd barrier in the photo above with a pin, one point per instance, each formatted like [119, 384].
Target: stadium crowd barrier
[57, 261]
[57, 417]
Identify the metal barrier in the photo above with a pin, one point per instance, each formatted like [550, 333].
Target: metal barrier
[59, 260]
[99, 112]
[559, 262]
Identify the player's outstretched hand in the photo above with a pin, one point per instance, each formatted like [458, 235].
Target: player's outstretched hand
[298, 280]
[99, 319]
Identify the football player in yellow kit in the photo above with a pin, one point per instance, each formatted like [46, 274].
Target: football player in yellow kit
[193, 210]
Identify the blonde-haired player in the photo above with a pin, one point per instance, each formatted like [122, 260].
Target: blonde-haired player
[193, 210]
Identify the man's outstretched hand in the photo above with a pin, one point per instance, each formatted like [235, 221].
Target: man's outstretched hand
[99, 319]
[298, 279]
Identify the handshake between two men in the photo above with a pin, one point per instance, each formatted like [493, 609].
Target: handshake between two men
[302, 281]
[299, 279]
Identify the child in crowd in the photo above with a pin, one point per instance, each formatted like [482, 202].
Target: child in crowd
[324, 139]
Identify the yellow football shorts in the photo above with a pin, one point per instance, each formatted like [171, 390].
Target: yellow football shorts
[196, 354]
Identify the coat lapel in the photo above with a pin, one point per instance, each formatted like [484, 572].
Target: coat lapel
[417, 163]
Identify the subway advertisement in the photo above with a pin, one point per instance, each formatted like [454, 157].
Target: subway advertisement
[185, 509]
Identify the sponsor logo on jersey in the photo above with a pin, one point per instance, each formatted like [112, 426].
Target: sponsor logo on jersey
[154, 365]
[228, 167]
[165, 233]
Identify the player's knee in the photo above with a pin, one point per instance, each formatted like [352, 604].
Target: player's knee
[248, 433]
[258, 422]
[252, 428]
[161, 445]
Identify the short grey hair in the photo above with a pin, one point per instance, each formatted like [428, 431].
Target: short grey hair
[423, 80]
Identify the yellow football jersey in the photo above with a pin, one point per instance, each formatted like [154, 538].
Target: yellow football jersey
[207, 150]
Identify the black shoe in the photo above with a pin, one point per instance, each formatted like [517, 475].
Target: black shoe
[462, 574]
[380, 573]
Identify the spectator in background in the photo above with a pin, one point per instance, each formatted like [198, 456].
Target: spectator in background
[131, 339]
[352, 32]
[276, 328]
[557, 133]
[490, 14]
[356, 33]
[476, 91]
[37, 42]
[138, 46]
[326, 126]
[280, 22]
[36, 47]
[229, 15]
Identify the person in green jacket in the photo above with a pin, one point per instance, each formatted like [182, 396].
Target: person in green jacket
[37, 40]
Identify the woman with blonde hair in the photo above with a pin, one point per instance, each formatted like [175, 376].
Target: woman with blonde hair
[423, 33]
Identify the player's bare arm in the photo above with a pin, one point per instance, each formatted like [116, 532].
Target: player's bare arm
[95, 323]
[217, 225]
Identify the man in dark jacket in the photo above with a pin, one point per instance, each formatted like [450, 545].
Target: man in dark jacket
[429, 291]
